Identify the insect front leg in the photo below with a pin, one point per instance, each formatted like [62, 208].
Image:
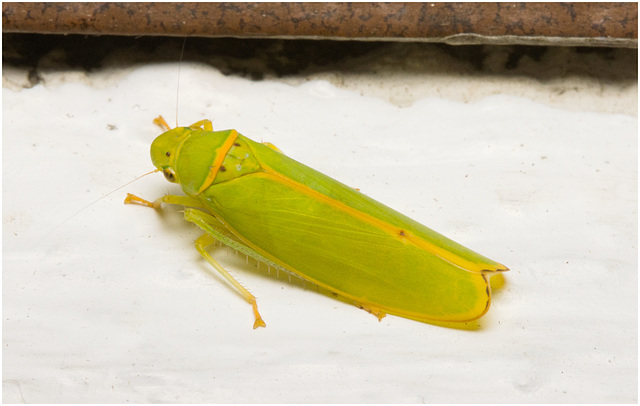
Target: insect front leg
[168, 199]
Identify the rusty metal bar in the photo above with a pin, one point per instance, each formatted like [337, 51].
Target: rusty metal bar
[589, 24]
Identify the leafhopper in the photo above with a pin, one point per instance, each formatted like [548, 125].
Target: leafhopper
[253, 198]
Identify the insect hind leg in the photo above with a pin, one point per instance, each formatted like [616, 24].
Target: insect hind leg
[216, 231]
[201, 244]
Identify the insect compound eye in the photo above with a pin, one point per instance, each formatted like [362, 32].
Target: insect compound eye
[168, 154]
[169, 175]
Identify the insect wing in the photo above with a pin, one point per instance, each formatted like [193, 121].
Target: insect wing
[342, 240]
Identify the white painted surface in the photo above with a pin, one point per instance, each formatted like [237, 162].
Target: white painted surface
[114, 305]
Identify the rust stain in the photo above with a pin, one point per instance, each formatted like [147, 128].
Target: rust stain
[365, 21]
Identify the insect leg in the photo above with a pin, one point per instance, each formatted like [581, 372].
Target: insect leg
[216, 230]
[204, 124]
[376, 312]
[204, 241]
[160, 122]
[169, 199]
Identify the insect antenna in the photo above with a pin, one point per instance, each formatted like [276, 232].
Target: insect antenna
[178, 84]
[96, 201]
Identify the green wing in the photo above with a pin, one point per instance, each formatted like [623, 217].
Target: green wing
[344, 241]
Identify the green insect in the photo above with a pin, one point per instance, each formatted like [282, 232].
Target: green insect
[253, 198]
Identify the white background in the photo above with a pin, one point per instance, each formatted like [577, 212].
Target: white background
[115, 305]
